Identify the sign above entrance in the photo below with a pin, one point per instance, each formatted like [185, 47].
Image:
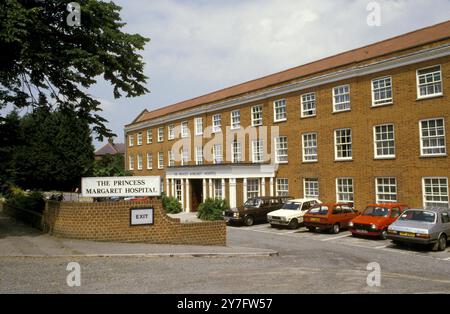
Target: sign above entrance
[120, 186]
[222, 171]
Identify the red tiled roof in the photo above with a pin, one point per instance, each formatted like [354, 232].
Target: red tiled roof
[112, 149]
[406, 41]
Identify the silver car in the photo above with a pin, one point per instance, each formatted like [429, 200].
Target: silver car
[422, 226]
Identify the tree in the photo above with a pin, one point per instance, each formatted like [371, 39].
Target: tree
[47, 61]
[110, 166]
[9, 137]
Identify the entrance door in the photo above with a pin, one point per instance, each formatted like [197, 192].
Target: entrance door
[196, 194]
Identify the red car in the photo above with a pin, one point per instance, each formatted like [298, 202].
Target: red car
[330, 216]
[375, 219]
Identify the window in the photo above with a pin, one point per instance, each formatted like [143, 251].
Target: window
[311, 187]
[160, 134]
[384, 141]
[252, 188]
[308, 105]
[199, 155]
[149, 161]
[445, 218]
[235, 119]
[435, 192]
[237, 152]
[179, 190]
[279, 110]
[343, 144]
[257, 118]
[386, 190]
[139, 162]
[432, 137]
[130, 140]
[341, 98]
[218, 191]
[171, 131]
[198, 126]
[217, 123]
[309, 141]
[171, 157]
[382, 91]
[184, 157]
[258, 151]
[282, 187]
[149, 136]
[429, 82]
[139, 139]
[131, 162]
[217, 154]
[184, 129]
[344, 189]
[160, 160]
[281, 149]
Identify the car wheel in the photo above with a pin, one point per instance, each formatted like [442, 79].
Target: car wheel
[336, 228]
[441, 243]
[293, 224]
[383, 234]
[311, 229]
[248, 221]
[398, 243]
[273, 226]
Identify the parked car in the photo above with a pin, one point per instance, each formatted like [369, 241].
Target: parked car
[422, 226]
[291, 213]
[254, 210]
[330, 216]
[375, 219]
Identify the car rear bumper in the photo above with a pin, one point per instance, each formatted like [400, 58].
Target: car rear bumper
[415, 240]
[372, 233]
[278, 222]
[233, 219]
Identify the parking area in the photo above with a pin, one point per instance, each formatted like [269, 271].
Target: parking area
[345, 238]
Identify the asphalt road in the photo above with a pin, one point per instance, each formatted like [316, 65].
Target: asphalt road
[307, 263]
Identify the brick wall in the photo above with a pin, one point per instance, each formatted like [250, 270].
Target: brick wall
[111, 222]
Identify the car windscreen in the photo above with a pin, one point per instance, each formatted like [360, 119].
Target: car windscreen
[376, 211]
[253, 202]
[291, 206]
[418, 215]
[319, 210]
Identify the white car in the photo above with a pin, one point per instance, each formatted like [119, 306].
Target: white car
[291, 214]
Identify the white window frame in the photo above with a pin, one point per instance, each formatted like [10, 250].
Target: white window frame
[235, 118]
[307, 187]
[336, 145]
[383, 141]
[422, 138]
[217, 123]
[171, 132]
[198, 155]
[314, 157]
[160, 160]
[179, 190]
[160, 134]
[139, 139]
[418, 77]
[149, 161]
[184, 157]
[278, 150]
[184, 129]
[424, 194]
[279, 104]
[139, 161]
[236, 152]
[257, 115]
[170, 158]
[305, 100]
[217, 154]
[218, 191]
[149, 136]
[335, 95]
[285, 184]
[257, 151]
[131, 162]
[382, 101]
[198, 124]
[253, 188]
[130, 140]
[347, 186]
[386, 187]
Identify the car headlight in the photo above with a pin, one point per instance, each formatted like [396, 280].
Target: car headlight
[350, 224]
[373, 226]
[236, 215]
[283, 218]
[223, 213]
[269, 217]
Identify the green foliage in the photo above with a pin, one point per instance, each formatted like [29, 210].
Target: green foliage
[212, 209]
[171, 204]
[46, 61]
[34, 201]
[110, 166]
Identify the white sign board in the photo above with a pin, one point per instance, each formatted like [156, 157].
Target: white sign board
[120, 186]
[141, 216]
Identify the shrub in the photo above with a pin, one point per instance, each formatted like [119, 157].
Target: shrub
[171, 205]
[212, 209]
[34, 201]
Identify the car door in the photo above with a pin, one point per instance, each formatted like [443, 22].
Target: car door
[336, 215]
[445, 218]
[347, 215]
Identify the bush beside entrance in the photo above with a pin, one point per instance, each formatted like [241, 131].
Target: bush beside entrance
[212, 209]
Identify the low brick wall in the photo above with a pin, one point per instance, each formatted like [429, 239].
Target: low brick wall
[111, 222]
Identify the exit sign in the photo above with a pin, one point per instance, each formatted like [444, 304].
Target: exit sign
[141, 216]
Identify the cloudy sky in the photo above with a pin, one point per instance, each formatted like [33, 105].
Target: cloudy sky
[198, 46]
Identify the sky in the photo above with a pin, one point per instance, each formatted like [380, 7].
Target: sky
[199, 46]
